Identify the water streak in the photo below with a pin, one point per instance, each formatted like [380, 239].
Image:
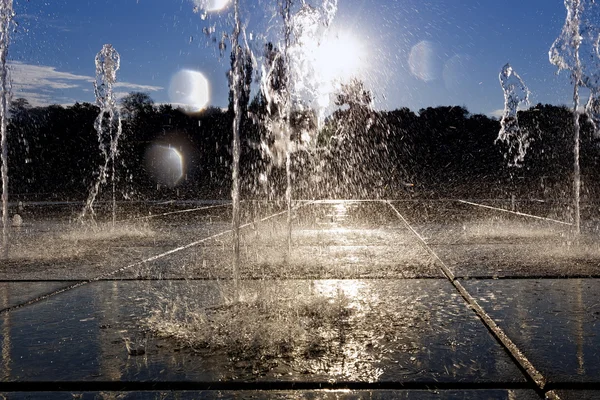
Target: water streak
[515, 94]
[107, 64]
[237, 82]
[6, 16]
[296, 91]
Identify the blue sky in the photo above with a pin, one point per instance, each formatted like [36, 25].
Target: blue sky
[458, 48]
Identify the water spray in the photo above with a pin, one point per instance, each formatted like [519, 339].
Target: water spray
[291, 85]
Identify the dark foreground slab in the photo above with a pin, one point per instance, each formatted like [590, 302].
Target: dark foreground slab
[287, 395]
[404, 331]
[555, 323]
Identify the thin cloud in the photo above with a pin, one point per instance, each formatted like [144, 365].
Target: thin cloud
[138, 88]
[497, 113]
[43, 85]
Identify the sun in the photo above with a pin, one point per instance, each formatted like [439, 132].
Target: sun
[339, 57]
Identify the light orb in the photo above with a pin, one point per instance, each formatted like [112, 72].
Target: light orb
[424, 61]
[165, 165]
[190, 90]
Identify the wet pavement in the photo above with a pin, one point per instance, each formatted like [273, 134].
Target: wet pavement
[290, 395]
[403, 331]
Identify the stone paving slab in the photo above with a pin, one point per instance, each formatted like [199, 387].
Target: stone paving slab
[329, 241]
[286, 395]
[394, 331]
[479, 242]
[49, 244]
[578, 394]
[555, 323]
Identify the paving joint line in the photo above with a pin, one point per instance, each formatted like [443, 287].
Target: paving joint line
[107, 275]
[530, 372]
[175, 212]
[516, 213]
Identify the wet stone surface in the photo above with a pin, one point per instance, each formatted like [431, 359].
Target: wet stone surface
[394, 317]
[578, 394]
[479, 242]
[555, 323]
[329, 241]
[288, 395]
[15, 293]
[51, 243]
[387, 331]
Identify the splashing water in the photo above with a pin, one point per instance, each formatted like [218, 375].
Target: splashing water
[6, 16]
[577, 50]
[295, 92]
[107, 64]
[515, 94]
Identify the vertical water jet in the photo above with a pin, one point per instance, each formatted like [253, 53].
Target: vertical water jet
[515, 93]
[108, 62]
[6, 16]
[236, 79]
[577, 49]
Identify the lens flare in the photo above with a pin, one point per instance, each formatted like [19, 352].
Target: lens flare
[190, 90]
[165, 165]
[424, 61]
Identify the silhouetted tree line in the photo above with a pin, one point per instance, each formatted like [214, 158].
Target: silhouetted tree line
[360, 152]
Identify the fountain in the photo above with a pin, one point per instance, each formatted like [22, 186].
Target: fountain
[378, 293]
[6, 16]
[107, 64]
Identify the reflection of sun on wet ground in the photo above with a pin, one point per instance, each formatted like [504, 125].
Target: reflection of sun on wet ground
[333, 328]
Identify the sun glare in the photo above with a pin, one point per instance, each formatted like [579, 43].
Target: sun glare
[212, 5]
[339, 57]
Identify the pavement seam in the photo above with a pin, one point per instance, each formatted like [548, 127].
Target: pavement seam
[174, 212]
[515, 213]
[525, 365]
[136, 264]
